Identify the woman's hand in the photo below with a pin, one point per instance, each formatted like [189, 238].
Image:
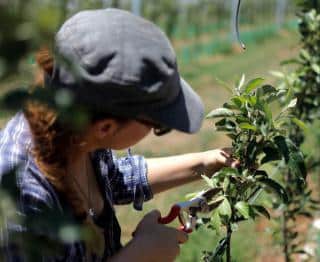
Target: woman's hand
[214, 160]
[157, 242]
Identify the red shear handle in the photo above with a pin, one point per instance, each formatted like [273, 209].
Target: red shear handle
[174, 212]
[184, 229]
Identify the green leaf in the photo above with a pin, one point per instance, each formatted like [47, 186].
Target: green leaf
[208, 181]
[276, 187]
[253, 84]
[252, 151]
[220, 112]
[300, 124]
[243, 208]
[281, 143]
[240, 83]
[253, 100]
[292, 103]
[260, 174]
[297, 165]
[226, 183]
[238, 101]
[224, 85]
[220, 250]
[225, 125]
[247, 126]
[305, 54]
[267, 89]
[230, 106]
[277, 74]
[268, 112]
[234, 227]
[225, 208]
[261, 210]
[290, 61]
[271, 154]
[215, 221]
[316, 68]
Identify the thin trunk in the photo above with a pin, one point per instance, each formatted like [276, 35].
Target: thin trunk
[229, 234]
[285, 237]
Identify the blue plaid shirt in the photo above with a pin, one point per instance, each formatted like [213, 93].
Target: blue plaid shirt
[123, 180]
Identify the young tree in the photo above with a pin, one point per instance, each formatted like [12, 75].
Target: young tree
[258, 137]
[303, 83]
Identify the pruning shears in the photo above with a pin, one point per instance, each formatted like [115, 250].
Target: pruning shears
[200, 204]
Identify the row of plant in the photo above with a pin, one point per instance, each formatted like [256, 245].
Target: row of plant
[268, 144]
[303, 83]
[259, 137]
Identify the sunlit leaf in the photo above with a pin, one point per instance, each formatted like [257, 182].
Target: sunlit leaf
[225, 208]
[276, 187]
[220, 112]
[215, 221]
[300, 124]
[253, 84]
[277, 74]
[243, 208]
[208, 180]
[316, 68]
[241, 82]
[247, 126]
[292, 103]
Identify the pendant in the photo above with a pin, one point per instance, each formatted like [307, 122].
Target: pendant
[91, 212]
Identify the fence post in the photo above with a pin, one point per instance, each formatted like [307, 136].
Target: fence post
[280, 12]
[115, 3]
[136, 7]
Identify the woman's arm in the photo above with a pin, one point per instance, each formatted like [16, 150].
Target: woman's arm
[168, 172]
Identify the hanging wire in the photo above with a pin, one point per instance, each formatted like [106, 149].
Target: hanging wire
[237, 25]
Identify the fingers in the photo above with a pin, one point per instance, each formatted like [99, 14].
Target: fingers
[227, 151]
[227, 158]
[182, 237]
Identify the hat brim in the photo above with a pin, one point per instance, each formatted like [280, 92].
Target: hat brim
[185, 113]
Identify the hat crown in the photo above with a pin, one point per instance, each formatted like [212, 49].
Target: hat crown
[115, 62]
[118, 47]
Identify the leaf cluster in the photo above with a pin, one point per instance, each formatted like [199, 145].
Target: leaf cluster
[258, 137]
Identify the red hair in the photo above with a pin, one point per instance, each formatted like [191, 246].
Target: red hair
[51, 141]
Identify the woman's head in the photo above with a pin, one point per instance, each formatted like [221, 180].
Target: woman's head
[101, 130]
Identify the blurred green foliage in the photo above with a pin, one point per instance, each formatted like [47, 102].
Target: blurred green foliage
[302, 83]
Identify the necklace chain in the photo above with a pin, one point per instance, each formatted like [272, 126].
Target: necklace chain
[87, 196]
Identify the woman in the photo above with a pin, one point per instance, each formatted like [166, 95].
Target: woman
[121, 71]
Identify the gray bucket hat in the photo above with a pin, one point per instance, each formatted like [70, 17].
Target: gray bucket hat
[115, 62]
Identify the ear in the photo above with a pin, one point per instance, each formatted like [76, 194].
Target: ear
[105, 128]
